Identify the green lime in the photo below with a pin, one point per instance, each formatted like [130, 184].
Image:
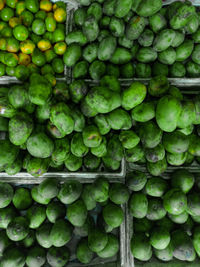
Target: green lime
[12, 45]
[58, 35]
[20, 7]
[22, 72]
[38, 58]
[6, 13]
[10, 71]
[27, 18]
[58, 65]
[35, 38]
[48, 36]
[41, 15]
[11, 59]
[20, 33]
[50, 24]
[38, 27]
[11, 3]
[7, 32]
[50, 55]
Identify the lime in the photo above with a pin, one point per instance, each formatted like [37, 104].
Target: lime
[3, 44]
[38, 27]
[11, 3]
[41, 15]
[12, 45]
[48, 36]
[50, 24]
[44, 45]
[20, 7]
[27, 18]
[60, 14]
[20, 33]
[22, 72]
[2, 69]
[58, 36]
[6, 13]
[50, 55]
[27, 47]
[58, 65]
[60, 48]
[10, 71]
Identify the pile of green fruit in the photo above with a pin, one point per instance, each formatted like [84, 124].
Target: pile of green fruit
[166, 216]
[78, 125]
[129, 39]
[44, 223]
[32, 38]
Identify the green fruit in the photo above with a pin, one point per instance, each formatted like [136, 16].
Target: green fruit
[83, 253]
[146, 38]
[184, 51]
[134, 95]
[140, 247]
[76, 37]
[61, 233]
[113, 215]
[48, 188]
[119, 119]
[87, 197]
[156, 187]
[37, 166]
[79, 16]
[100, 189]
[77, 213]
[55, 210]
[187, 116]
[13, 256]
[90, 52]
[58, 257]
[194, 145]
[72, 55]
[97, 69]
[122, 8]
[158, 86]
[179, 219]
[143, 112]
[43, 235]
[17, 229]
[106, 48]
[4, 241]
[175, 142]
[80, 69]
[29, 240]
[134, 154]
[6, 194]
[35, 257]
[175, 202]
[90, 28]
[196, 239]
[97, 240]
[17, 96]
[150, 134]
[193, 201]
[61, 150]
[77, 146]
[172, 106]
[183, 180]
[164, 254]
[121, 56]
[157, 22]
[118, 193]
[147, 8]
[164, 40]
[142, 225]
[177, 70]
[129, 139]
[160, 69]
[38, 198]
[36, 215]
[102, 123]
[136, 180]
[156, 210]
[183, 248]
[176, 159]
[6, 216]
[160, 238]
[166, 223]
[22, 199]
[155, 154]
[168, 56]
[111, 249]
[91, 136]
[32, 5]
[127, 70]
[146, 55]
[101, 150]
[69, 192]
[138, 205]
[73, 163]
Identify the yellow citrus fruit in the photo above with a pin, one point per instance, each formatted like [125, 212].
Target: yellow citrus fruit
[27, 47]
[60, 14]
[60, 48]
[46, 5]
[14, 21]
[2, 4]
[44, 45]
[24, 59]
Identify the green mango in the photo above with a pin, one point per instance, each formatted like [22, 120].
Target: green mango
[171, 106]
[182, 179]
[119, 119]
[17, 96]
[138, 205]
[150, 134]
[192, 69]
[156, 210]
[90, 52]
[97, 69]
[193, 24]
[15, 167]
[160, 69]
[175, 201]
[37, 166]
[90, 28]
[79, 16]
[146, 55]
[146, 38]
[59, 256]
[91, 162]
[36, 256]
[78, 89]
[196, 36]
[143, 70]
[83, 253]
[76, 37]
[167, 56]
[143, 112]
[159, 238]
[122, 8]
[136, 180]
[178, 39]
[112, 70]
[72, 55]
[157, 22]
[135, 27]
[114, 148]
[117, 27]
[163, 40]
[177, 70]
[158, 86]
[95, 9]
[194, 147]
[129, 139]
[121, 56]
[187, 116]
[156, 187]
[61, 233]
[140, 247]
[134, 95]
[104, 22]
[155, 154]
[107, 48]
[102, 123]
[196, 54]
[164, 255]
[127, 70]
[123, 41]
[157, 168]
[8, 154]
[80, 69]
[3, 124]
[73, 163]
[69, 192]
[184, 50]
[20, 128]
[176, 159]
[176, 142]
[134, 154]
[146, 8]
[77, 146]
[6, 109]
[109, 7]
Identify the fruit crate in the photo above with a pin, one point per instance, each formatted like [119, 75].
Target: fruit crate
[120, 260]
[74, 4]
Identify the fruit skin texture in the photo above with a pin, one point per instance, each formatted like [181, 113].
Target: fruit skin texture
[175, 202]
[113, 215]
[171, 106]
[83, 252]
[138, 205]
[140, 247]
[134, 95]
